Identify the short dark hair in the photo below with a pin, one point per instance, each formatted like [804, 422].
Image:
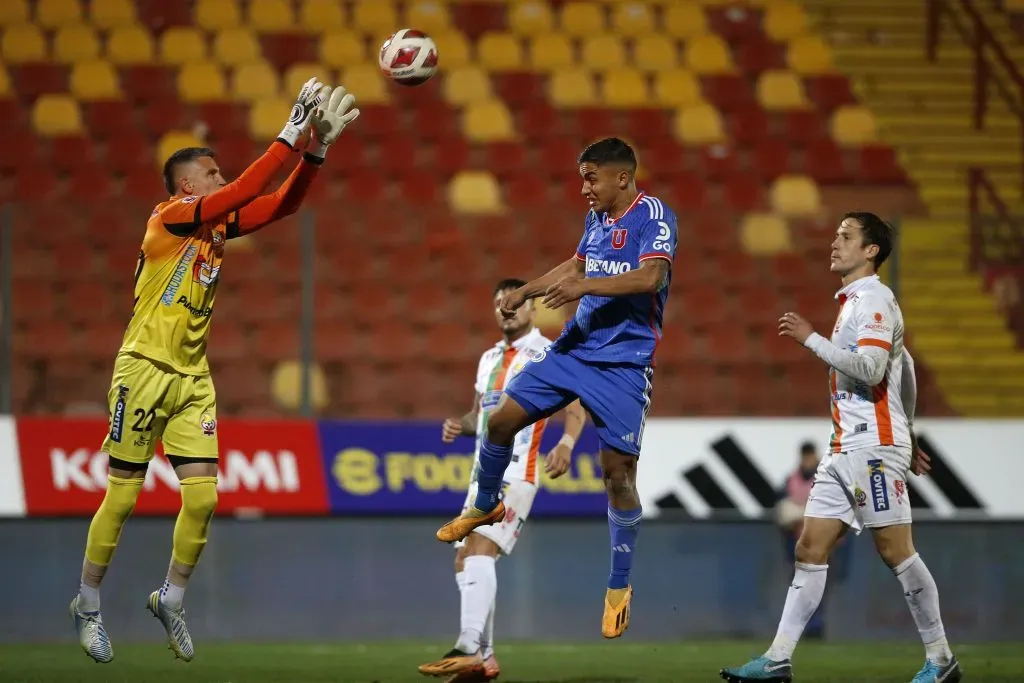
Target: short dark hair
[875, 231]
[807, 447]
[508, 283]
[182, 156]
[609, 151]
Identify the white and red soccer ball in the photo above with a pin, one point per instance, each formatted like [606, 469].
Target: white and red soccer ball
[408, 57]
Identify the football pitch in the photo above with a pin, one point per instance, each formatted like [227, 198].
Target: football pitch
[617, 662]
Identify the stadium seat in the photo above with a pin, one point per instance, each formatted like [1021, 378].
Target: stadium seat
[455, 48]
[217, 15]
[14, 12]
[708, 55]
[853, 126]
[530, 18]
[804, 126]
[297, 74]
[487, 121]
[68, 153]
[130, 45]
[700, 124]
[780, 91]
[109, 14]
[39, 78]
[633, 19]
[823, 161]
[23, 43]
[321, 16]
[474, 192]
[624, 88]
[572, 88]
[784, 21]
[236, 46]
[878, 164]
[677, 88]
[342, 48]
[54, 115]
[270, 16]
[581, 19]
[6, 88]
[830, 91]
[809, 55]
[200, 81]
[499, 52]
[179, 46]
[428, 15]
[795, 195]
[254, 81]
[171, 142]
[728, 92]
[286, 385]
[603, 52]
[365, 81]
[267, 116]
[466, 85]
[57, 13]
[378, 18]
[75, 43]
[685, 20]
[550, 52]
[655, 52]
[764, 234]
[94, 80]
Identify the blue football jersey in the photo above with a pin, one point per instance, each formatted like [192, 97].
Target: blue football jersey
[622, 329]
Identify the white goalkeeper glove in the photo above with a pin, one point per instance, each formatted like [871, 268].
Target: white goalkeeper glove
[330, 118]
[310, 97]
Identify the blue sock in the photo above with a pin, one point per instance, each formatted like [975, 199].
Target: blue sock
[493, 462]
[623, 526]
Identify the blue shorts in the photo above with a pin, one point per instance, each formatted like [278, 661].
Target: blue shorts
[617, 396]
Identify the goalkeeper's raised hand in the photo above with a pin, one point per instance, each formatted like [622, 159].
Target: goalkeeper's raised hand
[330, 118]
[310, 97]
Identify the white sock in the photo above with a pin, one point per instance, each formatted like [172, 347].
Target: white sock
[801, 602]
[460, 580]
[172, 595]
[487, 639]
[478, 591]
[88, 598]
[923, 600]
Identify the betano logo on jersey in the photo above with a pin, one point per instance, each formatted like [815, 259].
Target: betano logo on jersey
[607, 267]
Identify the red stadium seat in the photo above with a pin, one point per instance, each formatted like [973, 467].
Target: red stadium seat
[380, 121]
[223, 119]
[519, 87]
[741, 24]
[18, 149]
[757, 55]
[744, 192]
[149, 83]
[283, 50]
[434, 120]
[35, 183]
[475, 18]
[824, 162]
[70, 153]
[749, 125]
[718, 162]
[804, 126]
[166, 114]
[539, 120]
[159, 15]
[591, 123]
[39, 78]
[829, 91]
[340, 341]
[688, 192]
[129, 153]
[878, 164]
[109, 118]
[771, 159]
[728, 92]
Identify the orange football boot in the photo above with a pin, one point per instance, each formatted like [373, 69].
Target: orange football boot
[616, 616]
[482, 674]
[463, 525]
[455, 662]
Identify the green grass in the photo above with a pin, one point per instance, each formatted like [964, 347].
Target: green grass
[614, 662]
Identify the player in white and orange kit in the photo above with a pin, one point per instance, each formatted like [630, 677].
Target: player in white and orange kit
[861, 482]
[472, 659]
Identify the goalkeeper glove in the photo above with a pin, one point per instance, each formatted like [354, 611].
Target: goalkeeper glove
[330, 118]
[310, 97]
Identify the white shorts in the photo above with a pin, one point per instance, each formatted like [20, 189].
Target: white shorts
[866, 487]
[518, 497]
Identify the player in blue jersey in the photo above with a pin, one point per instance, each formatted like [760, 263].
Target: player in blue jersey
[620, 274]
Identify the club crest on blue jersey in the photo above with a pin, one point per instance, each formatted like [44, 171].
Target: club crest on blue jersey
[618, 238]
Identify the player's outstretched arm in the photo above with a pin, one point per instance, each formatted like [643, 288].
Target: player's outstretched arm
[867, 364]
[268, 208]
[650, 277]
[455, 427]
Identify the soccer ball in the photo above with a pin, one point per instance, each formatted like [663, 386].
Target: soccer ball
[408, 57]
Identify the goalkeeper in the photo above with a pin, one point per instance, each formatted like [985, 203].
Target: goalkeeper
[161, 388]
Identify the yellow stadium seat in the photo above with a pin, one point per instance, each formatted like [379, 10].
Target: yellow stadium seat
[499, 52]
[94, 80]
[56, 115]
[780, 90]
[487, 121]
[365, 82]
[342, 48]
[428, 15]
[376, 17]
[582, 19]
[632, 19]
[108, 14]
[466, 85]
[475, 192]
[853, 126]
[784, 21]
[795, 195]
[297, 74]
[267, 117]
[6, 88]
[452, 49]
[254, 81]
[235, 46]
[286, 385]
[685, 20]
[677, 88]
[216, 15]
[13, 12]
[172, 141]
[572, 88]
[764, 234]
[700, 124]
[321, 16]
[655, 52]
[130, 45]
[1013, 5]
[708, 55]
[809, 55]
[271, 15]
[180, 45]
[56, 13]
[530, 17]
[603, 52]
[624, 88]
[550, 52]
[75, 43]
[23, 43]
[201, 82]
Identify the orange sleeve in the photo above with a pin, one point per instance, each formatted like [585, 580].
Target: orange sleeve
[271, 207]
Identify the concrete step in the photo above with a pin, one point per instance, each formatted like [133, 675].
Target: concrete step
[988, 404]
[962, 158]
[991, 363]
[920, 325]
[974, 343]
